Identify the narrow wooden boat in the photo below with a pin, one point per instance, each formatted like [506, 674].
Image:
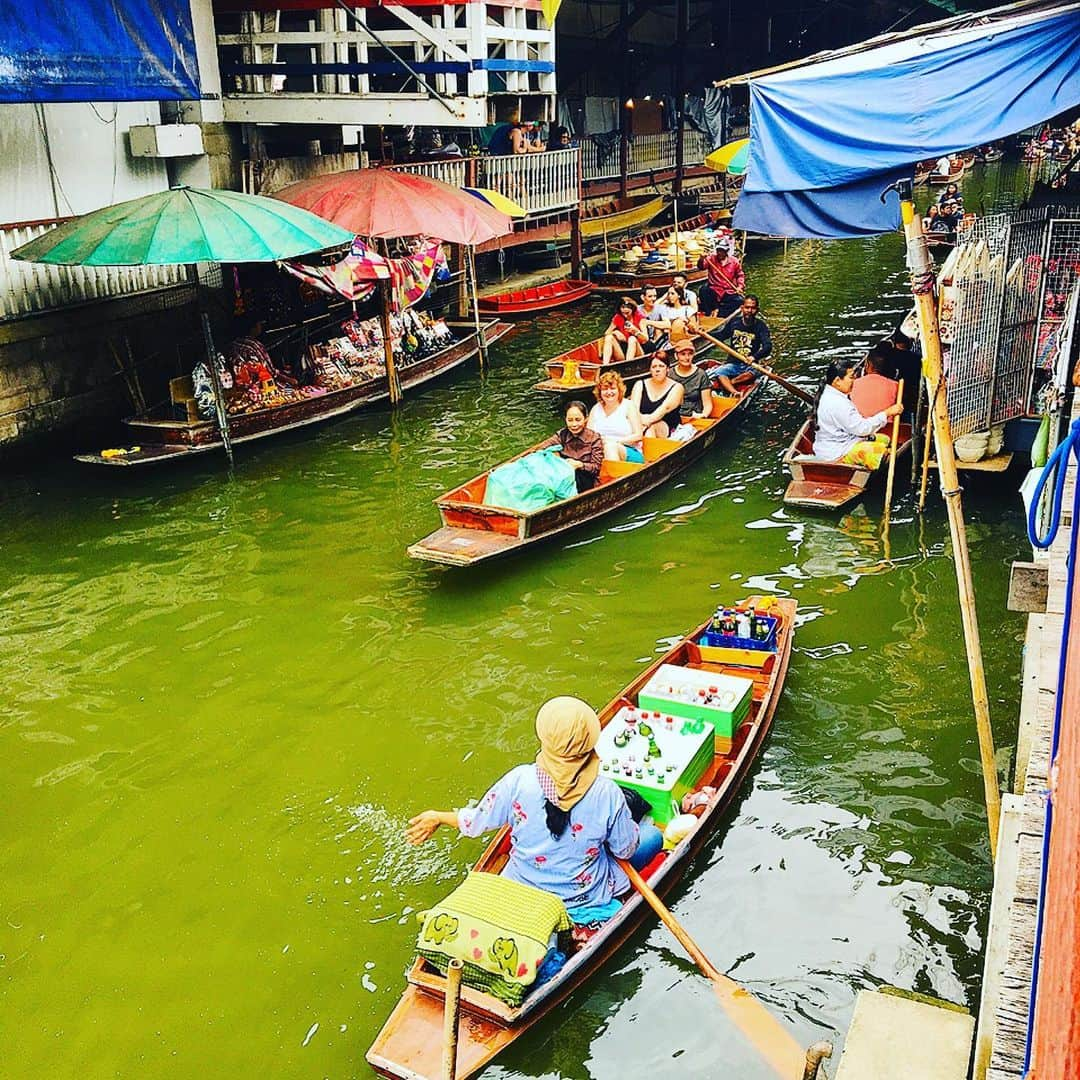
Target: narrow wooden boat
[576, 370]
[409, 1046]
[161, 438]
[473, 532]
[555, 294]
[634, 281]
[937, 179]
[613, 218]
[993, 155]
[829, 485]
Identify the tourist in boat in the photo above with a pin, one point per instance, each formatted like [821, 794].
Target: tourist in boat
[567, 822]
[674, 314]
[748, 334]
[842, 433]
[626, 334]
[951, 194]
[950, 216]
[682, 283]
[615, 417]
[658, 399]
[696, 386]
[725, 280]
[932, 223]
[875, 390]
[582, 447]
[647, 310]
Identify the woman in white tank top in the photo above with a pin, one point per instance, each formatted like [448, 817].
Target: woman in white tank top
[615, 417]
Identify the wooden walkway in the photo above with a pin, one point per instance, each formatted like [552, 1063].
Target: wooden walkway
[1003, 1021]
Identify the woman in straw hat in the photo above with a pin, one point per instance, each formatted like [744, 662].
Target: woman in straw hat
[566, 820]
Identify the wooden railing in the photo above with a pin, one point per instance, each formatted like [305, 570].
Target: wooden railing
[540, 183]
[647, 153]
[451, 171]
[26, 288]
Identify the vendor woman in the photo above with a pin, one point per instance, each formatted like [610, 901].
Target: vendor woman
[567, 822]
[842, 433]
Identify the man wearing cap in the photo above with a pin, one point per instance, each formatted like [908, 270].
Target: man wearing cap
[726, 280]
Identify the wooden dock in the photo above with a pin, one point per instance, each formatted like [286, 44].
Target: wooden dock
[1002, 1034]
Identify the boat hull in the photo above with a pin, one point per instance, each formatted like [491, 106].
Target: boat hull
[163, 441]
[576, 371]
[409, 1045]
[632, 284]
[817, 484]
[473, 532]
[523, 302]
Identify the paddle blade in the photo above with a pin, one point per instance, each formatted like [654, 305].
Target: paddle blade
[766, 1034]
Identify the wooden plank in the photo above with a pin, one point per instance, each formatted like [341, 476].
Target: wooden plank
[823, 496]
[1028, 587]
[996, 464]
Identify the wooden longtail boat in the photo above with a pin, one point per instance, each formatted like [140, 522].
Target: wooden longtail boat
[576, 370]
[409, 1046]
[937, 179]
[161, 438]
[556, 294]
[828, 485]
[474, 532]
[613, 218]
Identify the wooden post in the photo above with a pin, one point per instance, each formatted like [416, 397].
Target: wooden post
[922, 286]
[625, 117]
[481, 343]
[219, 393]
[814, 1057]
[576, 256]
[682, 13]
[392, 380]
[892, 459]
[459, 304]
[451, 1012]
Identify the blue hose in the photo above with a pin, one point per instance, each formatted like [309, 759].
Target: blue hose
[1057, 467]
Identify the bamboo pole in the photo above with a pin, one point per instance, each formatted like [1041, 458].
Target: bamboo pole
[481, 343]
[392, 380]
[219, 393]
[892, 459]
[790, 387]
[451, 1012]
[922, 286]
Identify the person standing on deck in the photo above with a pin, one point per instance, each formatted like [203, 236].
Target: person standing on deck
[726, 281]
[748, 334]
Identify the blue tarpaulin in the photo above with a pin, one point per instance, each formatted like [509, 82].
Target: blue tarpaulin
[97, 50]
[826, 138]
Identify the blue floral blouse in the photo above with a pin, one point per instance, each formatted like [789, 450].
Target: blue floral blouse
[578, 867]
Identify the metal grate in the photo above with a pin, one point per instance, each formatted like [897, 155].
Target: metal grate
[1014, 279]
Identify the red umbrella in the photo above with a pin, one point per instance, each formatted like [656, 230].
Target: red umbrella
[384, 202]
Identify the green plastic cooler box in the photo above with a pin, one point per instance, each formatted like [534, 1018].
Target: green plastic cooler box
[672, 687]
[663, 780]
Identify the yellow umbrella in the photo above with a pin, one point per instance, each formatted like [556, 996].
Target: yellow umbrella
[730, 158]
[498, 200]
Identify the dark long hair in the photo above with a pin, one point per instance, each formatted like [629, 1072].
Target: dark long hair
[837, 369]
[557, 818]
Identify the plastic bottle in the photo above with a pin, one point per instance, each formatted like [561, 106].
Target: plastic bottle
[729, 622]
[742, 623]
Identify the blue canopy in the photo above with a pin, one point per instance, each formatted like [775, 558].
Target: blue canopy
[97, 50]
[827, 138]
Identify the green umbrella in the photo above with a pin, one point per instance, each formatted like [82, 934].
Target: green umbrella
[185, 225]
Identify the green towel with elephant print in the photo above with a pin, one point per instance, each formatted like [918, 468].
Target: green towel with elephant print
[495, 924]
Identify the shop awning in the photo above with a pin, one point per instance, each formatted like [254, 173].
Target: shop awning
[97, 50]
[829, 136]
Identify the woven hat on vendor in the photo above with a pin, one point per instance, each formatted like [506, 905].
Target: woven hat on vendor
[567, 764]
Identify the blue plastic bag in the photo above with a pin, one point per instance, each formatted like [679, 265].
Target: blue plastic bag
[531, 482]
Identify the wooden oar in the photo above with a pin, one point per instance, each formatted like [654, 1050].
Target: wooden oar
[768, 1036]
[892, 459]
[798, 391]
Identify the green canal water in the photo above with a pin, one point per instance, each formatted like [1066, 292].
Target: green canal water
[224, 697]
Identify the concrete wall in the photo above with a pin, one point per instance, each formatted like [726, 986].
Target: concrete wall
[59, 381]
[68, 158]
